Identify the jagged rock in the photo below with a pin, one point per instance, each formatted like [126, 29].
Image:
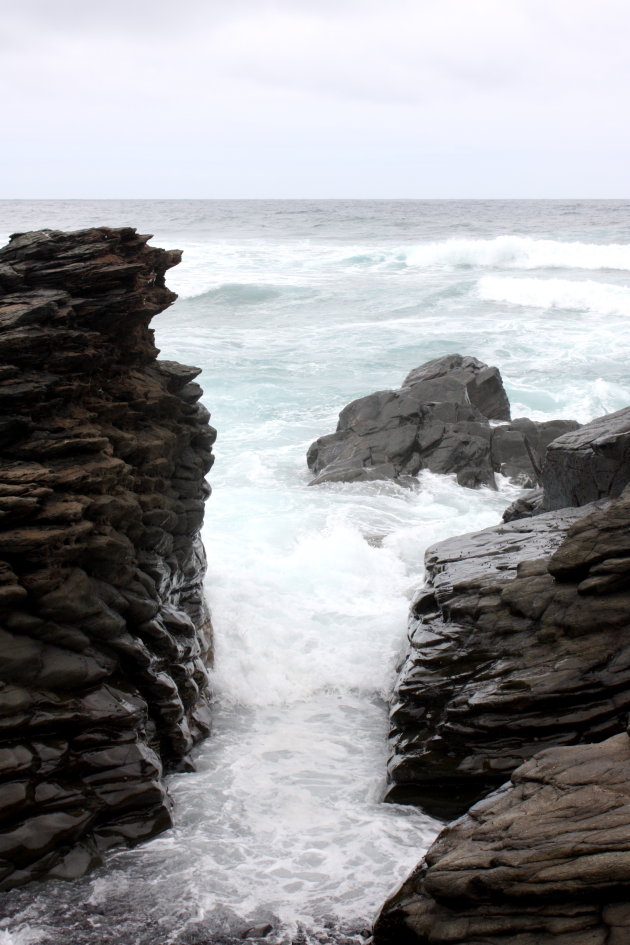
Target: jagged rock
[546, 859]
[105, 633]
[439, 420]
[525, 506]
[519, 448]
[513, 647]
[589, 463]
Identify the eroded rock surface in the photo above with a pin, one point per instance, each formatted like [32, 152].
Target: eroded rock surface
[444, 418]
[104, 633]
[543, 861]
[520, 641]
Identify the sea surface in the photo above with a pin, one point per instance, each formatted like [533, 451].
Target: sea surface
[293, 309]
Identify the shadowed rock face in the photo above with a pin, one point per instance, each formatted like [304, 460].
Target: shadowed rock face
[544, 860]
[439, 420]
[511, 650]
[104, 633]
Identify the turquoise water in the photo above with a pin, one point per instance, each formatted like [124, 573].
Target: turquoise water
[293, 309]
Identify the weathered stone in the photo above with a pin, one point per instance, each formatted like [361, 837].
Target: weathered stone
[512, 648]
[545, 859]
[95, 434]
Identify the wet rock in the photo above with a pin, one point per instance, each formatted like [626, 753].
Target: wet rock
[545, 859]
[588, 463]
[440, 420]
[105, 633]
[518, 642]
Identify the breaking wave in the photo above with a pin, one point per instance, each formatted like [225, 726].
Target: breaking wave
[600, 298]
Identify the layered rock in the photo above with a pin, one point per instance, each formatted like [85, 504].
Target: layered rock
[518, 642]
[104, 632]
[543, 861]
[444, 418]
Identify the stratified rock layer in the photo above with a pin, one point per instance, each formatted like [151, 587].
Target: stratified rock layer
[513, 648]
[444, 419]
[104, 632]
[543, 861]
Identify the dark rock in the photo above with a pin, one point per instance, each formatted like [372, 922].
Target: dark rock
[589, 463]
[525, 506]
[546, 859]
[513, 647]
[519, 448]
[430, 423]
[439, 420]
[102, 457]
[479, 384]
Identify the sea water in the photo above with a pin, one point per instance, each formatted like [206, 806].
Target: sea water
[293, 309]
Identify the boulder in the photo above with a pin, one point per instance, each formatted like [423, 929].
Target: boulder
[444, 418]
[105, 633]
[518, 642]
[545, 860]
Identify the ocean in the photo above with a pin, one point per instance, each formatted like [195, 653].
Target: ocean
[293, 309]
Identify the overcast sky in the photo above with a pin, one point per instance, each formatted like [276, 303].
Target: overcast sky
[315, 98]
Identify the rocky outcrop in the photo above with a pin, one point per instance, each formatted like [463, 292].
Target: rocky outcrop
[104, 633]
[543, 861]
[444, 418]
[589, 463]
[517, 643]
[581, 466]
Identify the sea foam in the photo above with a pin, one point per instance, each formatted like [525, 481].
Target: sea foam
[600, 298]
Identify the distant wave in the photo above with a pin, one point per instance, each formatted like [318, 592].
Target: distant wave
[502, 252]
[521, 252]
[583, 296]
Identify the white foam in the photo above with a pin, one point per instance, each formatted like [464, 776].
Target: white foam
[600, 298]
[226, 266]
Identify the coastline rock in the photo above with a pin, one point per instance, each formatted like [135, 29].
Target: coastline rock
[517, 643]
[105, 634]
[545, 859]
[445, 419]
[589, 463]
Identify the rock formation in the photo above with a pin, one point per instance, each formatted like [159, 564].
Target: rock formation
[519, 643]
[444, 418]
[104, 633]
[543, 861]
[512, 648]
[581, 466]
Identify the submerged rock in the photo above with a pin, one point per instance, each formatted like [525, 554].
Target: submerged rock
[105, 634]
[517, 642]
[444, 419]
[544, 860]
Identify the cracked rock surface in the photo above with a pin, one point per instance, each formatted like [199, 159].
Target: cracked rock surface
[104, 634]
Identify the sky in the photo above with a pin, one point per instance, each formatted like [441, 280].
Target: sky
[315, 99]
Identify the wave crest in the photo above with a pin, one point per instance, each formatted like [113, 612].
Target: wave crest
[600, 298]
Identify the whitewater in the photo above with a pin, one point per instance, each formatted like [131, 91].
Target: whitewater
[293, 309]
